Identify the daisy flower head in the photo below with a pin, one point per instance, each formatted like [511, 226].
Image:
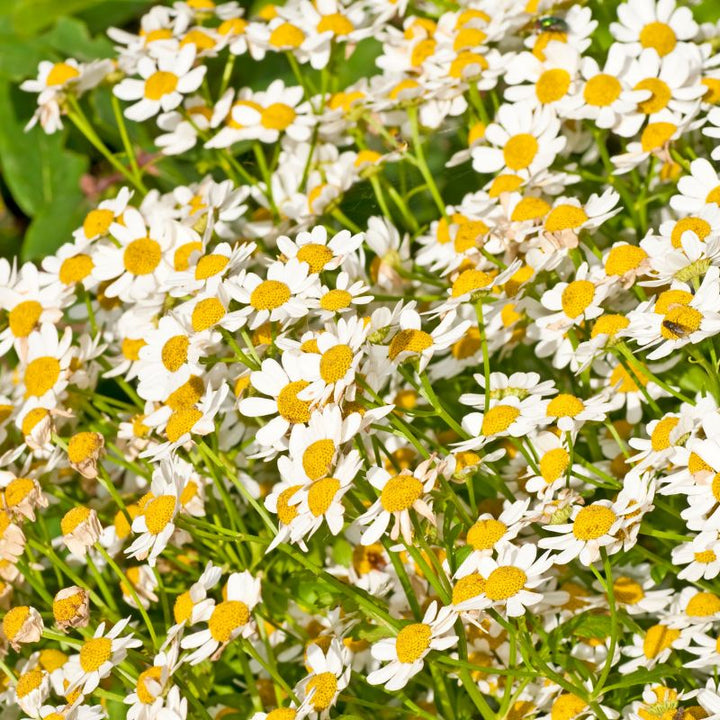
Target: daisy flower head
[317, 250]
[700, 188]
[347, 296]
[329, 676]
[163, 84]
[404, 653]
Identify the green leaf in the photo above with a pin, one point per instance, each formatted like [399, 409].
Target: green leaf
[71, 38]
[31, 16]
[19, 57]
[53, 225]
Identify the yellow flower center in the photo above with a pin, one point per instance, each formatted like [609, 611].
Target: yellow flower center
[469, 281]
[181, 258]
[400, 492]
[660, 437]
[142, 256]
[335, 363]
[17, 490]
[14, 620]
[412, 642]
[23, 318]
[593, 521]
[51, 659]
[41, 375]
[565, 405]
[553, 464]
[210, 265]
[468, 587]
[467, 345]
[174, 352]
[206, 313]
[504, 582]
[655, 135]
[336, 23]
[577, 297]
[281, 714]
[623, 258]
[565, 217]
[366, 558]
[335, 300]
[485, 533]
[660, 95]
[318, 458]
[498, 419]
[315, 255]
[703, 604]
[66, 609]
[293, 409]
[609, 324]
[696, 225]
[628, 591]
[321, 494]
[287, 35]
[505, 183]
[159, 84]
[422, 51]
[530, 208]
[679, 322]
[670, 298]
[277, 116]
[285, 512]
[28, 682]
[467, 38]
[73, 518]
[414, 341]
[97, 222]
[465, 59]
[705, 557]
[520, 150]
[183, 607]
[201, 40]
[226, 618]
[323, 687]
[94, 653]
[657, 639]
[602, 90]
[713, 196]
[60, 73]
[153, 674]
[182, 421]
[696, 464]
[659, 36]
[83, 445]
[75, 269]
[566, 707]
[187, 394]
[552, 85]
[131, 348]
[269, 295]
[159, 512]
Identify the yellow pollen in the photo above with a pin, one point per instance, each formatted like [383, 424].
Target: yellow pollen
[505, 183]
[210, 265]
[94, 653]
[336, 23]
[485, 533]
[30, 421]
[706, 557]
[520, 150]
[41, 375]
[602, 90]
[666, 300]
[623, 258]
[321, 494]
[181, 422]
[315, 255]
[414, 341]
[412, 642]
[335, 363]
[468, 234]
[659, 36]
[713, 196]
[577, 297]
[628, 591]
[183, 607]
[143, 692]
[187, 394]
[60, 73]
[335, 300]
[498, 419]
[468, 587]
[97, 222]
[423, 49]
[680, 322]
[83, 445]
[28, 682]
[703, 604]
[51, 659]
[14, 620]
[287, 35]
[552, 85]
[174, 352]
[660, 437]
[701, 228]
[505, 582]
[206, 313]
[189, 492]
[367, 157]
[202, 41]
[657, 639]
[565, 217]
[318, 458]
[467, 345]
[593, 521]
[323, 686]
[466, 59]
[281, 714]
[567, 707]
[227, 617]
[159, 512]
[285, 512]
[401, 492]
[609, 324]
[290, 406]
[66, 609]
[553, 464]
[142, 256]
[470, 281]
[656, 135]
[366, 558]
[659, 98]
[17, 490]
[233, 26]
[712, 95]
[696, 464]
[277, 116]
[159, 84]
[181, 258]
[530, 208]
[75, 269]
[467, 38]
[269, 295]
[23, 318]
[73, 518]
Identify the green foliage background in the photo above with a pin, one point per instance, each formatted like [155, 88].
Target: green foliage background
[41, 198]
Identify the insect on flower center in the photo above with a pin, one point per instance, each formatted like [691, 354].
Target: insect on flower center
[323, 687]
[175, 352]
[520, 150]
[485, 533]
[94, 653]
[73, 518]
[321, 494]
[315, 255]
[290, 406]
[602, 90]
[335, 300]
[657, 639]
[413, 642]
[553, 464]
[593, 521]
[552, 85]
[498, 419]
[277, 116]
[142, 256]
[159, 512]
[269, 295]
[159, 84]
[60, 73]
[23, 318]
[335, 363]
[505, 582]
[41, 375]
[227, 617]
[75, 269]
[400, 493]
[680, 322]
[659, 36]
[318, 458]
